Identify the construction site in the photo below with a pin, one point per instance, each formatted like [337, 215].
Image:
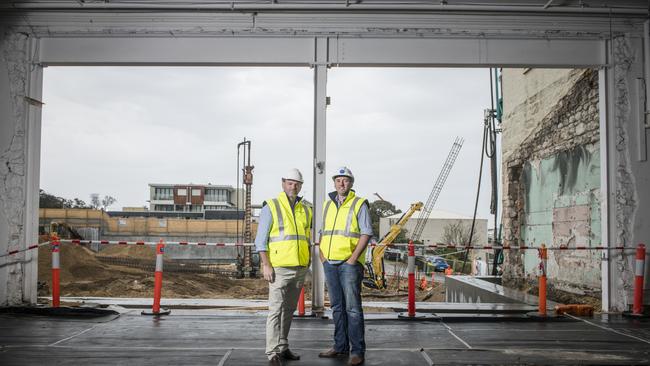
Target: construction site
[513, 230]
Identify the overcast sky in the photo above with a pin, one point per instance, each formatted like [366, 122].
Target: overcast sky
[113, 130]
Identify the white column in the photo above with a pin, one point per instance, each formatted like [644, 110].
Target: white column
[32, 171]
[605, 76]
[20, 92]
[320, 172]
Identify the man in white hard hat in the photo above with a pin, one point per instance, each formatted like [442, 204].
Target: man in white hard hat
[283, 243]
[346, 231]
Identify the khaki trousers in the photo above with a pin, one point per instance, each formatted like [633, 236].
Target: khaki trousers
[284, 292]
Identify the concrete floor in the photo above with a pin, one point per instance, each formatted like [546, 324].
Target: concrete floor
[221, 337]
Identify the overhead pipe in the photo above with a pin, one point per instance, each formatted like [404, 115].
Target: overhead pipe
[646, 70]
[234, 7]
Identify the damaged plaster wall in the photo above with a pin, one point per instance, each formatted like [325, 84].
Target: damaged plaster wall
[13, 87]
[551, 161]
[632, 176]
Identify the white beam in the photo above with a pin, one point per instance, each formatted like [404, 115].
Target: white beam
[320, 171]
[286, 51]
[468, 52]
[605, 99]
[32, 176]
[240, 51]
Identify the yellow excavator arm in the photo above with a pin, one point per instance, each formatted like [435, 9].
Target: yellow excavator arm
[376, 278]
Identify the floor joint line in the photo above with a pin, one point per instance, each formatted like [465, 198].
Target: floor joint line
[225, 358]
[609, 329]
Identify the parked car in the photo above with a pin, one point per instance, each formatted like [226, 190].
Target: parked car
[393, 254]
[438, 263]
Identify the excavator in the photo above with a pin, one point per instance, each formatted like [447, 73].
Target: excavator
[376, 276]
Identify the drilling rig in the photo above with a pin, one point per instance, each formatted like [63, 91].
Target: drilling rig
[247, 269]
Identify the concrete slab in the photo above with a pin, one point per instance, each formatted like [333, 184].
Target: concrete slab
[216, 337]
[396, 306]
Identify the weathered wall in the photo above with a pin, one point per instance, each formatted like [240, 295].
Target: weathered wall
[551, 161]
[17, 171]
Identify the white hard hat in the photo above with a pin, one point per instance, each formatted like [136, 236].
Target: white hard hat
[343, 172]
[293, 174]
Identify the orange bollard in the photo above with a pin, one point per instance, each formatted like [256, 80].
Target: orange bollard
[56, 269]
[543, 254]
[158, 277]
[639, 271]
[411, 280]
[301, 302]
[411, 315]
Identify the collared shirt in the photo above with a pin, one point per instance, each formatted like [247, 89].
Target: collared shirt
[264, 227]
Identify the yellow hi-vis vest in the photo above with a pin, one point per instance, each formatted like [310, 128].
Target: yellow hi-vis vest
[288, 244]
[341, 230]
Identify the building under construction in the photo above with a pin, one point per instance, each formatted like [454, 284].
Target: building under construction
[571, 97]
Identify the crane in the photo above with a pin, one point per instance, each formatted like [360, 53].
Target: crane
[437, 188]
[376, 277]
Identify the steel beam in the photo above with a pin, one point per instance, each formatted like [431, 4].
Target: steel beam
[240, 51]
[286, 51]
[467, 52]
[320, 172]
[607, 237]
[32, 170]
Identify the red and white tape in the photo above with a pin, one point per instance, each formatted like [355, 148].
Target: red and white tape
[373, 245]
[113, 242]
[503, 247]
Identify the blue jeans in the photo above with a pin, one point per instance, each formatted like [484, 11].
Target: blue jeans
[344, 288]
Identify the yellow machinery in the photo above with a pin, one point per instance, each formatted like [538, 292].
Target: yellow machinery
[376, 277]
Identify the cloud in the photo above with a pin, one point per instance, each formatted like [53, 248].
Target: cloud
[113, 130]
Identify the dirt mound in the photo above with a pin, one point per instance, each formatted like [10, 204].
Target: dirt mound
[82, 274]
[75, 261]
[131, 251]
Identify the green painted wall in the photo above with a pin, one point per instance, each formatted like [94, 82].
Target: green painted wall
[562, 207]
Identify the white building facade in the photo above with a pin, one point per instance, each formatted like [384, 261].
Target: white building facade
[434, 229]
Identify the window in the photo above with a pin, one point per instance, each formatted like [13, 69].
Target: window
[163, 194]
[182, 192]
[196, 192]
[217, 195]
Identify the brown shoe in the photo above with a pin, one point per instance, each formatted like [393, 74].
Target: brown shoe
[355, 360]
[331, 353]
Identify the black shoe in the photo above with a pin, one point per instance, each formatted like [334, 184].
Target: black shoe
[288, 355]
[276, 360]
[331, 353]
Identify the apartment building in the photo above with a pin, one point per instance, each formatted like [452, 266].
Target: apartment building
[193, 197]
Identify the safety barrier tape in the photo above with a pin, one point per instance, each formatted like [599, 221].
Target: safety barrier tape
[373, 245]
[112, 242]
[503, 247]
[34, 246]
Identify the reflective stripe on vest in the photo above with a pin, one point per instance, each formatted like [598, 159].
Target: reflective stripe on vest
[340, 238]
[288, 244]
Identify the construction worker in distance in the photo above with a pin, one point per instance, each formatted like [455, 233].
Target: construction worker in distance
[344, 237]
[282, 241]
